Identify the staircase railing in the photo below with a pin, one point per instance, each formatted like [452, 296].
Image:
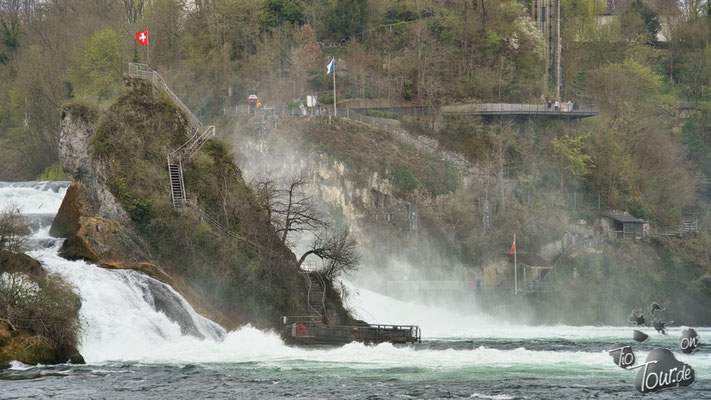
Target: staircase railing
[593, 242]
[322, 284]
[187, 149]
[196, 141]
[308, 294]
[144, 71]
[323, 293]
[177, 203]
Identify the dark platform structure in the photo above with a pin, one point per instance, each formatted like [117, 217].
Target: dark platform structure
[562, 110]
[322, 327]
[490, 110]
[310, 332]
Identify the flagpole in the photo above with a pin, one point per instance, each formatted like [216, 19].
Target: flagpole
[515, 268]
[335, 110]
[148, 51]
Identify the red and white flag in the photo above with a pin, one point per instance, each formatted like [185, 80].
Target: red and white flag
[513, 245]
[142, 37]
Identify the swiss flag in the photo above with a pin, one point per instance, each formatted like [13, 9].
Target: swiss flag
[142, 37]
[513, 245]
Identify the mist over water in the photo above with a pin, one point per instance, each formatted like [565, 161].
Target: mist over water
[33, 197]
[137, 351]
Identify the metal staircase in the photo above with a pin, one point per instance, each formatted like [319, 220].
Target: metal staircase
[177, 187]
[189, 148]
[316, 295]
[175, 159]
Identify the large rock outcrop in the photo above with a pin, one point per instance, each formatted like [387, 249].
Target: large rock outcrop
[113, 245]
[78, 161]
[223, 247]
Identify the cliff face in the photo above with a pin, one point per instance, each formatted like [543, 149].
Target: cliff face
[120, 214]
[353, 169]
[79, 161]
[385, 185]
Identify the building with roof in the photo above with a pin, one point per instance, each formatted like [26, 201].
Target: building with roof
[623, 226]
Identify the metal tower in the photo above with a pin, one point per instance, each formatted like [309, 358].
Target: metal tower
[546, 14]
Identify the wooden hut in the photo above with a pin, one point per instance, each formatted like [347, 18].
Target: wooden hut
[624, 226]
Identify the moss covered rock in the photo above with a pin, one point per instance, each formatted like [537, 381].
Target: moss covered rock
[76, 204]
[30, 333]
[19, 345]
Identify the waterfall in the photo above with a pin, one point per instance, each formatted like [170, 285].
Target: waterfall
[124, 314]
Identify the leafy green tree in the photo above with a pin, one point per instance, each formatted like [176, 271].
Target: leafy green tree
[163, 18]
[572, 158]
[400, 11]
[649, 19]
[284, 11]
[579, 17]
[9, 37]
[14, 230]
[101, 63]
[347, 17]
[628, 88]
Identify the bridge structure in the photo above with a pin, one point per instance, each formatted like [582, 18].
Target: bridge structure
[486, 110]
[491, 110]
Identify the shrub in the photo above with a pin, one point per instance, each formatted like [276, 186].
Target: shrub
[41, 304]
[403, 178]
[14, 230]
[376, 114]
[53, 173]
[326, 98]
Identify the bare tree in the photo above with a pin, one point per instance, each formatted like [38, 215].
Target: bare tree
[290, 209]
[338, 249]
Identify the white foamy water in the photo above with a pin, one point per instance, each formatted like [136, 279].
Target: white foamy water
[33, 197]
[442, 323]
[119, 322]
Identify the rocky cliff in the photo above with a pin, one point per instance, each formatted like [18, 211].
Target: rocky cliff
[119, 213]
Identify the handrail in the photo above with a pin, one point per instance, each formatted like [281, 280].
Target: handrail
[308, 294]
[228, 232]
[594, 241]
[323, 293]
[195, 142]
[514, 108]
[676, 230]
[144, 71]
[376, 329]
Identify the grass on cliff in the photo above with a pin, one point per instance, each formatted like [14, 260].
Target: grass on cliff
[250, 279]
[362, 147]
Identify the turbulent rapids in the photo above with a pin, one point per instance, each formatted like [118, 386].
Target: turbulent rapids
[142, 340]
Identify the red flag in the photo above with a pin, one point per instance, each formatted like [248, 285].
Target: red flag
[142, 37]
[513, 245]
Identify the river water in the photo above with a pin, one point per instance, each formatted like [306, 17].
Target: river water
[134, 351]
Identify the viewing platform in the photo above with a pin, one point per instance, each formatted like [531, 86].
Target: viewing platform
[563, 110]
[311, 332]
[512, 110]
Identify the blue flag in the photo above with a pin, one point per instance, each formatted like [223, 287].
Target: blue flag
[331, 66]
